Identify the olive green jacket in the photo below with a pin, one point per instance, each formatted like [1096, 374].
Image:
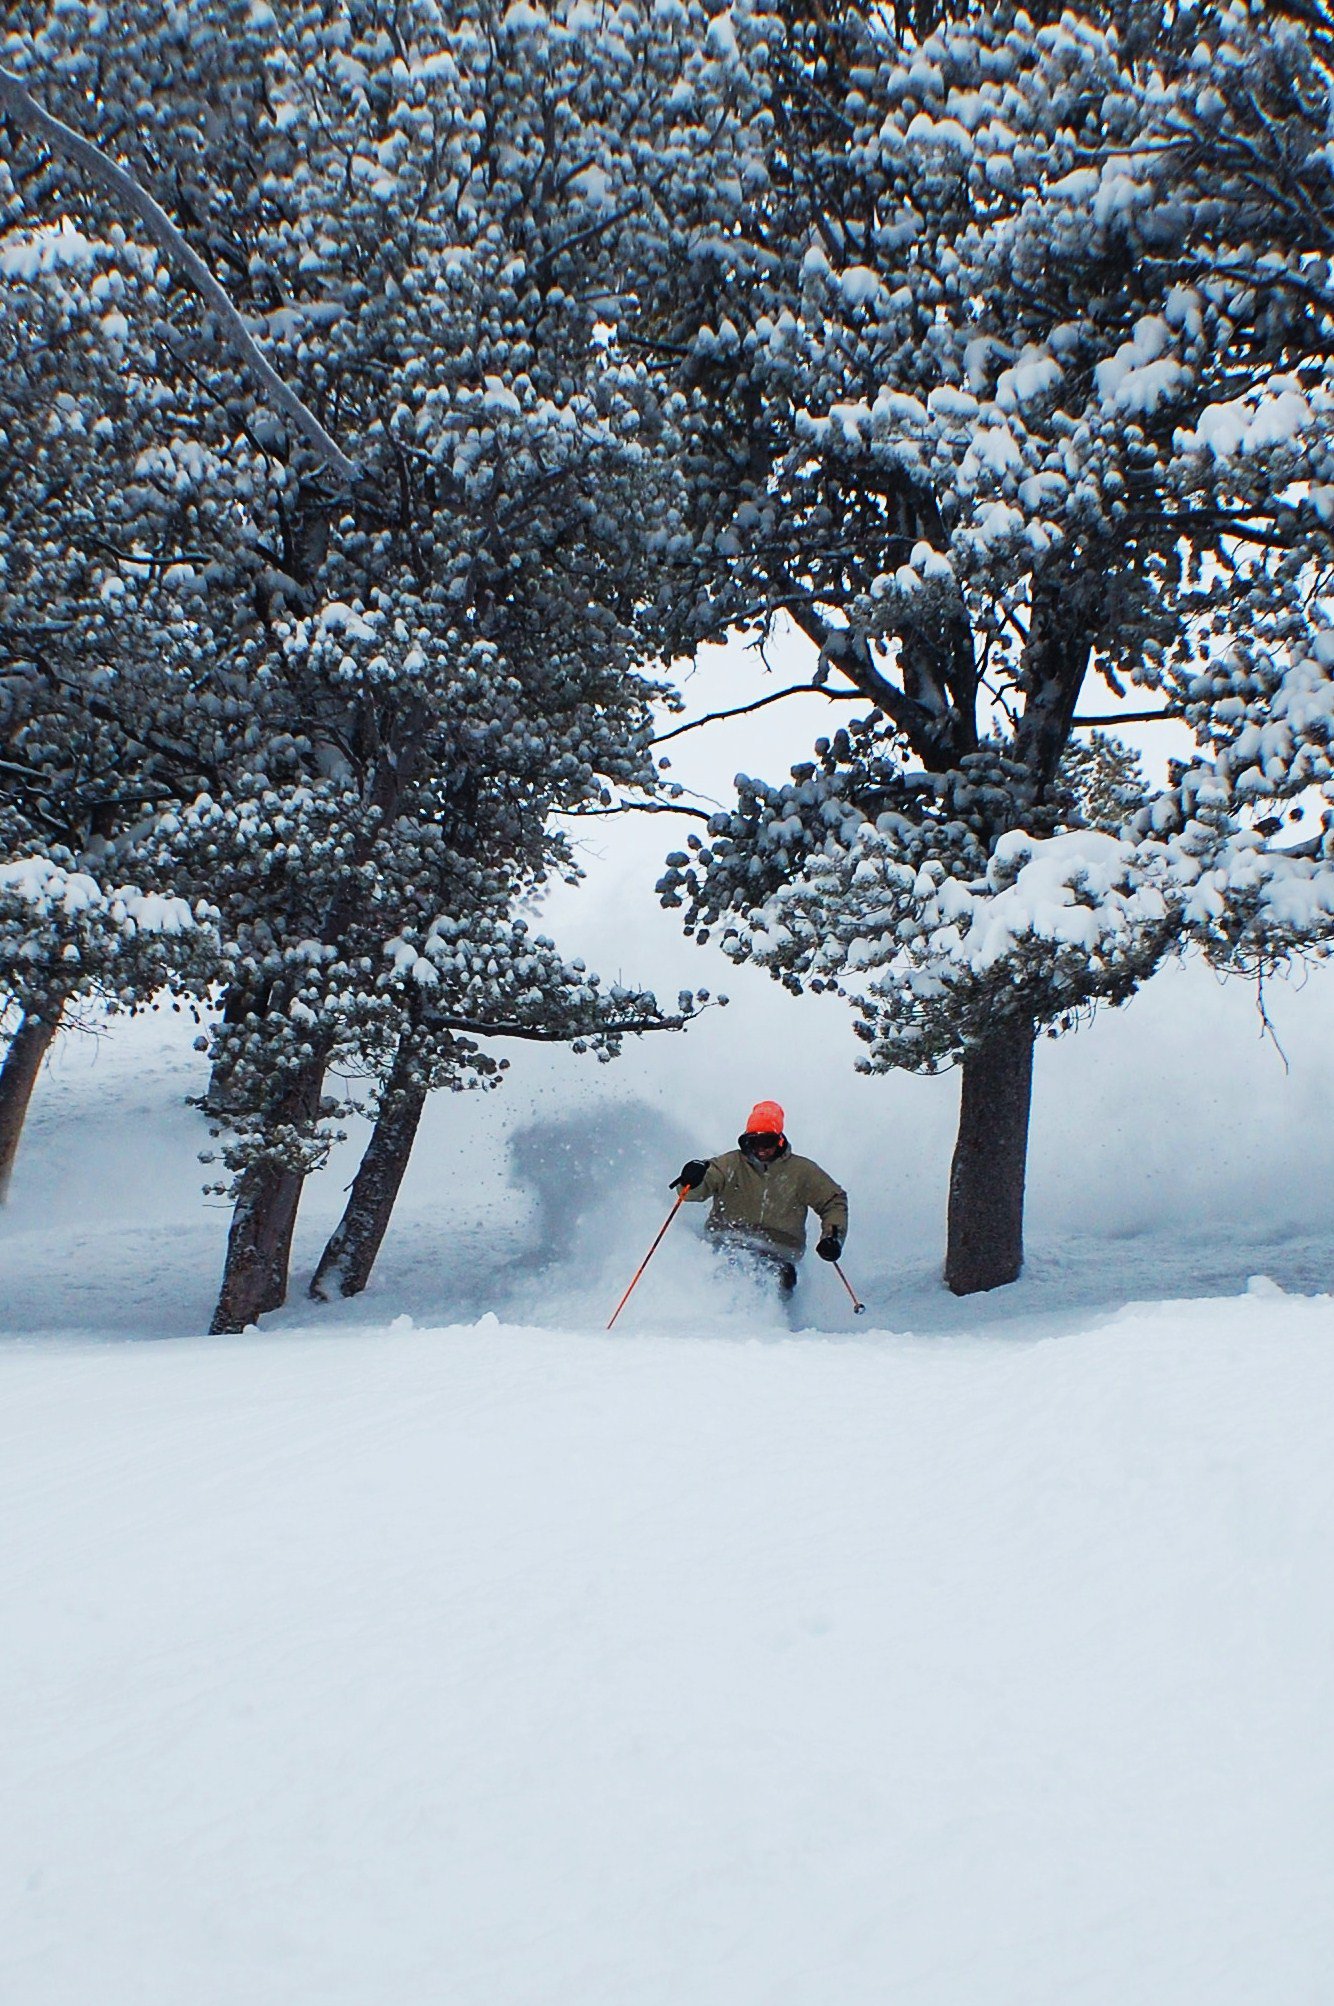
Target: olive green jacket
[769, 1206]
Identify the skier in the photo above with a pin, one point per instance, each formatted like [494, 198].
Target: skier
[761, 1193]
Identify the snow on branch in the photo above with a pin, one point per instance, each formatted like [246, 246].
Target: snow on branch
[27, 113]
[50, 890]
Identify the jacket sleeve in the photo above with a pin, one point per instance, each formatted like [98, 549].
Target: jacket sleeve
[711, 1185]
[830, 1200]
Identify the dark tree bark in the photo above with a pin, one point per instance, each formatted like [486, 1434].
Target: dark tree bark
[259, 1245]
[985, 1238]
[985, 1247]
[347, 1261]
[18, 1076]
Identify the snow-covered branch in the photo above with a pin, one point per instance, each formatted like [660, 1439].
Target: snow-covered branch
[19, 104]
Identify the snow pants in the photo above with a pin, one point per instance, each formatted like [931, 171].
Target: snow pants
[768, 1263]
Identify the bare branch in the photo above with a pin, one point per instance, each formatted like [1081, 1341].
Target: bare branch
[643, 808]
[775, 696]
[1127, 717]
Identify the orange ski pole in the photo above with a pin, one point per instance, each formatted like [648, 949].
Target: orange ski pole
[858, 1306]
[680, 1200]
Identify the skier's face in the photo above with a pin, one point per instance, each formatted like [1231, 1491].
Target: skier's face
[766, 1147]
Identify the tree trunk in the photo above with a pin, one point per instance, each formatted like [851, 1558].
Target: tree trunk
[236, 1007]
[985, 1246]
[18, 1076]
[347, 1261]
[259, 1245]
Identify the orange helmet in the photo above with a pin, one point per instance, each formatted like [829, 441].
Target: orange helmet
[765, 1118]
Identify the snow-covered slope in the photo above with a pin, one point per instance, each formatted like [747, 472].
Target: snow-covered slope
[981, 1655]
[439, 1647]
[514, 1667]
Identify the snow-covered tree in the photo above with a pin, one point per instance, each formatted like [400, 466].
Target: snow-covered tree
[86, 753]
[65, 937]
[1002, 351]
[421, 557]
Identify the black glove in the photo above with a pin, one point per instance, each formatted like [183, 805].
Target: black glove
[694, 1173]
[830, 1245]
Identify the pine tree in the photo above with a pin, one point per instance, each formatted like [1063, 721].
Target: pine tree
[1001, 342]
[67, 939]
[87, 910]
[414, 636]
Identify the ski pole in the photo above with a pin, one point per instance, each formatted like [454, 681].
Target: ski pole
[858, 1306]
[680, 1200]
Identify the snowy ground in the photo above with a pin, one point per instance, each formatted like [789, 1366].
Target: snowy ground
[399, 1652]
[439, 1649]
[489, 1664]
